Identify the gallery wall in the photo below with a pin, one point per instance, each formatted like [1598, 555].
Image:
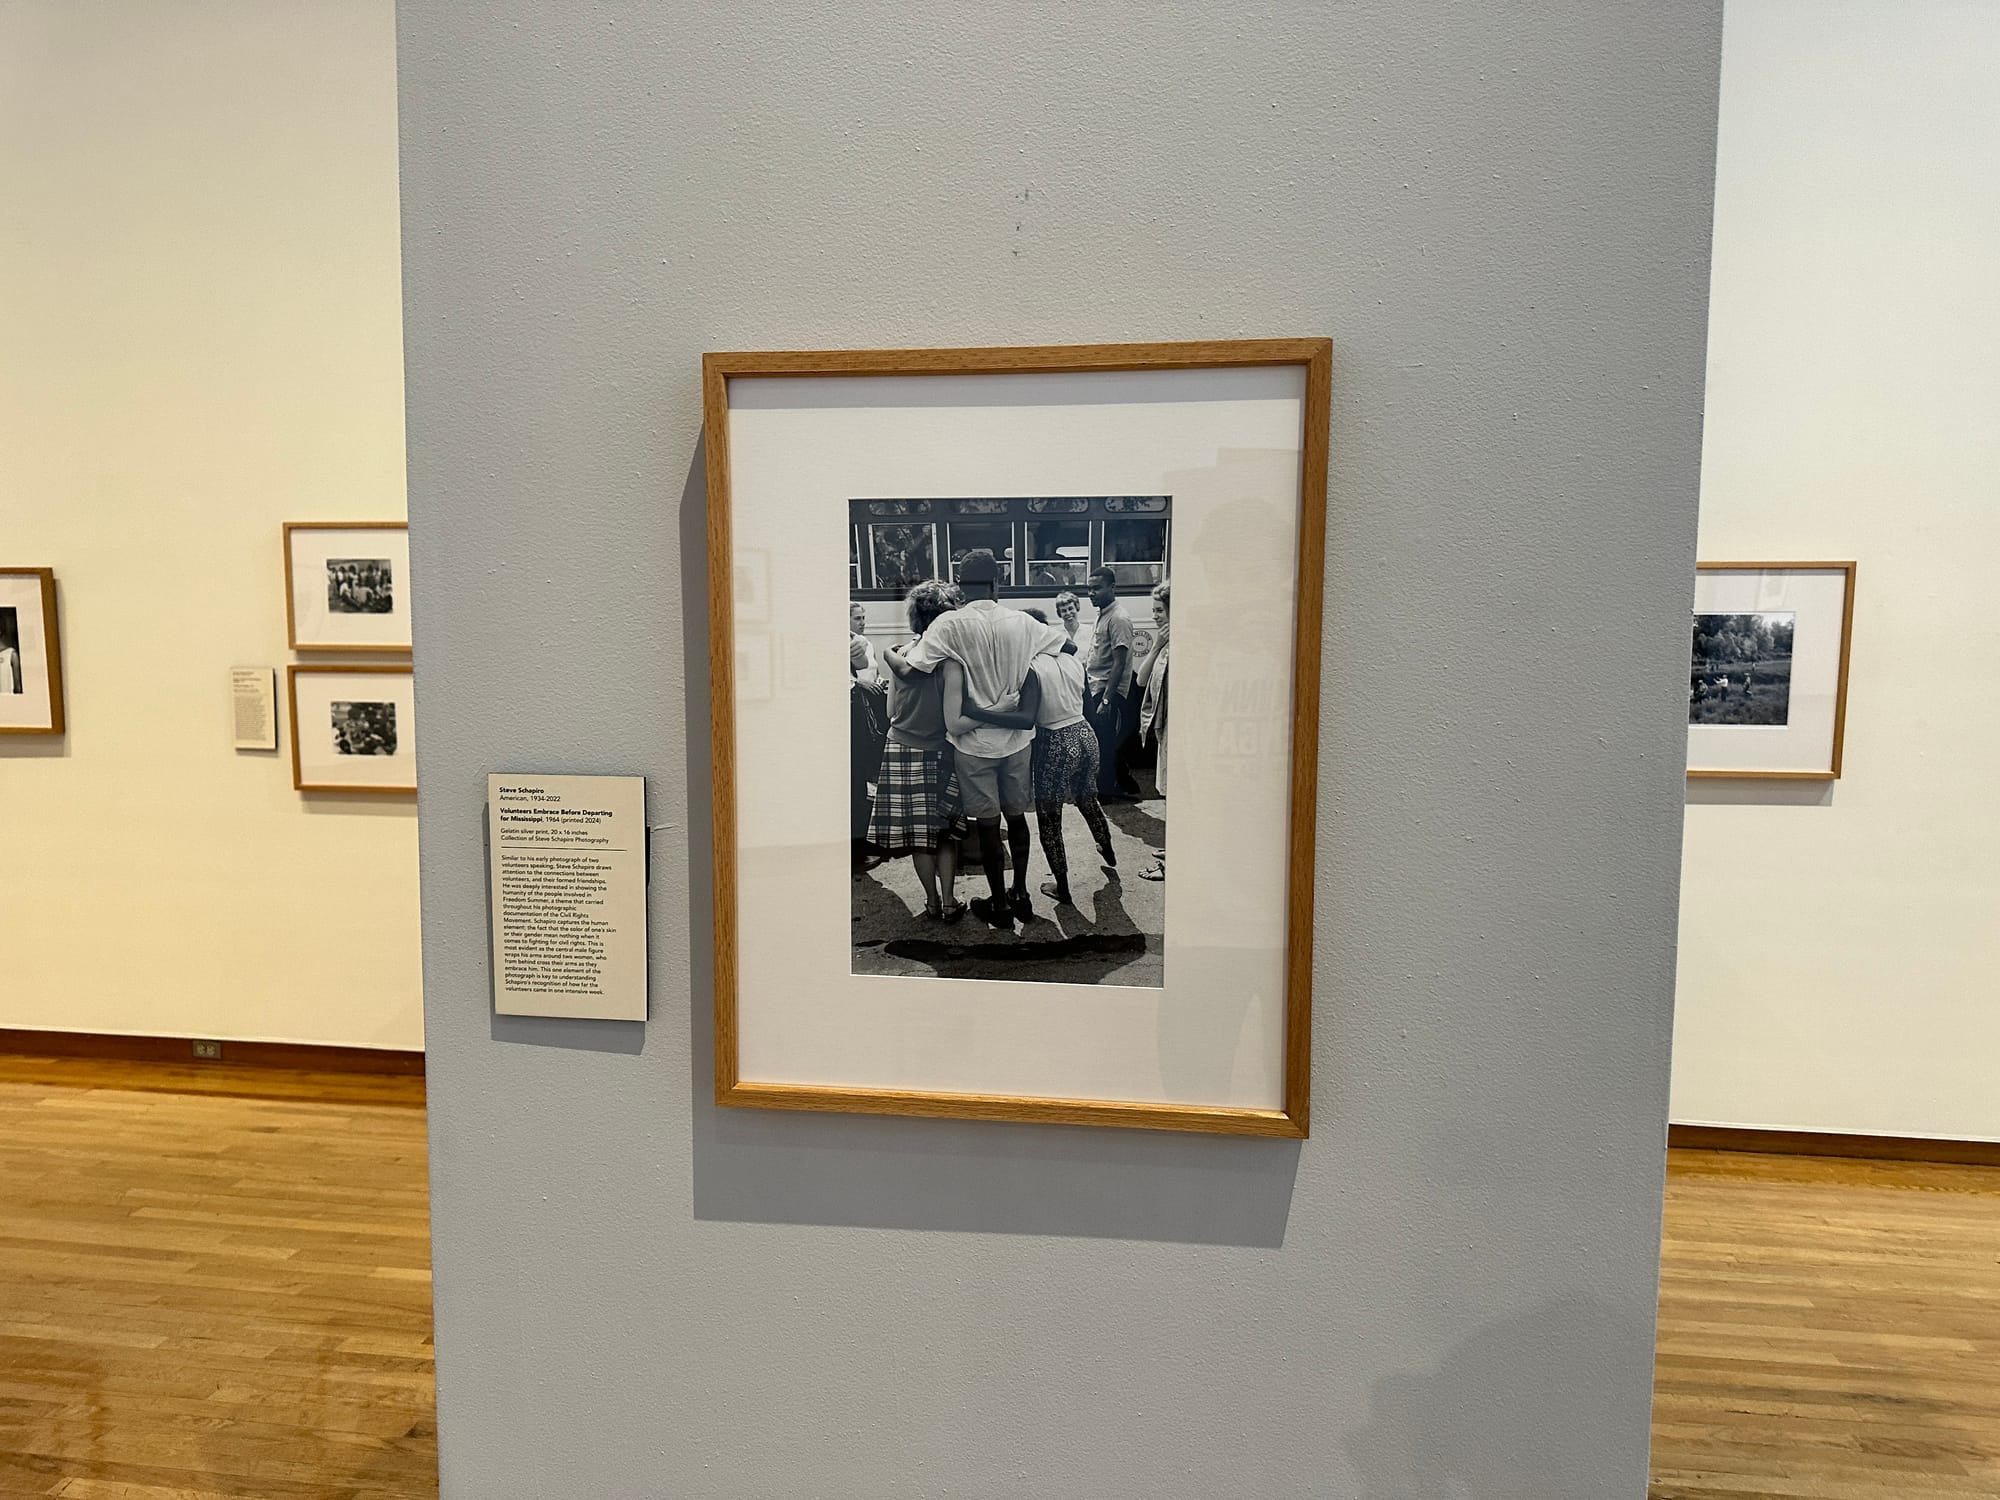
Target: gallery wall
[1500, 216]
[202, 341]
[1839, 945]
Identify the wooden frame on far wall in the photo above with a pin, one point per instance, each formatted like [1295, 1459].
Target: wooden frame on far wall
[1832, 772]
[52, 636]
[291, 602]
[293, 671]
[1314, 357]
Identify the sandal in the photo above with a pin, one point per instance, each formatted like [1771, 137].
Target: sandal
[1157, 870]
[1059, 894]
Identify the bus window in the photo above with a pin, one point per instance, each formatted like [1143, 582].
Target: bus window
[1136, 551]
[853, 558]
[1058, 554]
[996, 537]
[903, 554]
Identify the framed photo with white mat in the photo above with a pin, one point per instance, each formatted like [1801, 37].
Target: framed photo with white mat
[31, 680]
[347, 585]
[1082, 587]
[354, 727]
[1767, 669]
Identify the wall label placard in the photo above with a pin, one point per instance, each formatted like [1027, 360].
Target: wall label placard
[566, 877]
[253, 707]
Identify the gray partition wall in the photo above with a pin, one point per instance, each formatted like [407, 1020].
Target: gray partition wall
[1500, 215]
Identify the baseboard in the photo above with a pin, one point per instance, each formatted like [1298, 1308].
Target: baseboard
[302, 1056]
[1828, 1143]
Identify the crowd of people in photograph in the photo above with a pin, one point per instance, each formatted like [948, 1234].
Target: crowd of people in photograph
[360, 587]
[988, 713]
[364, 728]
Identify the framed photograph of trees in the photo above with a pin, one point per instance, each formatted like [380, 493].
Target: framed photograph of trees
[1767, 669]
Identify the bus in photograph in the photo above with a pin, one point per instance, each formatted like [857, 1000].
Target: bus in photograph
[1047, 546]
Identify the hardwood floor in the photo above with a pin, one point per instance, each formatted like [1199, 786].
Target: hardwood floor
[1828, 1328]
[215, 1283]
[206, 1295]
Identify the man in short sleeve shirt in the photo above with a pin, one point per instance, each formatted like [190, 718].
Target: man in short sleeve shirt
[992, 646]
[1107, 686]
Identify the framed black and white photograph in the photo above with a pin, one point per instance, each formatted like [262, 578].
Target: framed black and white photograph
[1031, 632]
[31, 681]
[353, 727]
[945, 881]
[347, 585]
[1767, 669]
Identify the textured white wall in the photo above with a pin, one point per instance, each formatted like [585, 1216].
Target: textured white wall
[1500, 214]
[1839, 946]
[200, 327]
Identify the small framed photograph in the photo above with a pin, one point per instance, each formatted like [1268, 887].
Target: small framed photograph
[973, 858]
[354, 728]
[31, 683]
[347, 585]
[1767, 675]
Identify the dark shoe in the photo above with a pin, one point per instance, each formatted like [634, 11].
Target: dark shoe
[992, 913]
[1056, 893]
[1107, 856]
[1022, 908]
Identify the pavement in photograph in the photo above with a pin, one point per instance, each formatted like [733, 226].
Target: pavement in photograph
[1112, 935]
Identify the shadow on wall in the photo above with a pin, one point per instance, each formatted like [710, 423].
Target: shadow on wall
[767, 1166]
[1769, 793]
[1499, 1415]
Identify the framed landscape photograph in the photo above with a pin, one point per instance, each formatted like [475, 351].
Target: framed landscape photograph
[945, 884]
[31, 684]
[347, 585]
[354, 728]
[1767, 670]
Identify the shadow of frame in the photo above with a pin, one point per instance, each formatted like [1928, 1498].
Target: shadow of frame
[890, 1172]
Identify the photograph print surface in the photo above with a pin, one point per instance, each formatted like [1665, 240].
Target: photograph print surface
[364, 728]
[1740, 670]
[1007, 739]
[360, 586]
[10, 650]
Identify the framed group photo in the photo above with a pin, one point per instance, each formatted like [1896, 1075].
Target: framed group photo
[347, 585]
[1033, 838]
[1767, 669]
[31, 682]
[354, 727]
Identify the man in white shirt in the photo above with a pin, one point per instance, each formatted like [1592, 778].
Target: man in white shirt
[992, 646]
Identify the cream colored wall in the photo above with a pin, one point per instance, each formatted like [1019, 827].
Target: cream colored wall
[1840, 949]
[200, 337]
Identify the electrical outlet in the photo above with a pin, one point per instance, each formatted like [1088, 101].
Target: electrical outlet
[208, 1051]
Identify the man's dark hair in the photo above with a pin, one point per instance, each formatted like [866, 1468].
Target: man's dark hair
[1106, 574]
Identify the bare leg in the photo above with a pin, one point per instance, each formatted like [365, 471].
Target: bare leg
[1019, 845]
[926, 863]
[991, 857]
[947, 872]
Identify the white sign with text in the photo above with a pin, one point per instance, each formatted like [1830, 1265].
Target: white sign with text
[567, 881]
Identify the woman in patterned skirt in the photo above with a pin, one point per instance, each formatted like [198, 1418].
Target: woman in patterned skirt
[916, 793]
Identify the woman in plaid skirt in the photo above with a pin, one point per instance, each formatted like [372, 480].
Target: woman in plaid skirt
[916, 795]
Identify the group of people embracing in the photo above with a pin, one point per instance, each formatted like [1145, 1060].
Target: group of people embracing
[995, 711]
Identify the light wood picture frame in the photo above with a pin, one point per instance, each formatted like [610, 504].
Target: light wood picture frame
[1812, 606]
[31, 670]
[347, 586]
[1303, 366]
[356, 743]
